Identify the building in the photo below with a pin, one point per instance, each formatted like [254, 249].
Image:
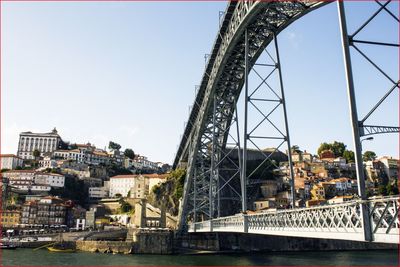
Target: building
[10, 218]
[48, 162]
[74, 154]
[4, 184]
[390, 166]
[10, 161]
[98, 192]
[51, 179]
[264, 204]
[154, 179]
[47, 211]
[43, 142]
[135, 186]
[343, 185]
[36, 182]
[269, 188]
[141, 162]
[340, 199]
[318, 192]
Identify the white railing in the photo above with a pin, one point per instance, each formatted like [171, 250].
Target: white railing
[340, 221]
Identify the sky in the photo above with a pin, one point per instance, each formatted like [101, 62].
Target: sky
[126, 72]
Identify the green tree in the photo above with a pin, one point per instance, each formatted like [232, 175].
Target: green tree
[324, 146]
[369, 155]
[349, 156]
[124, 206]
[338, 148]
[114, 146]
[36, 153]
[295, 148]
[382, 190]
[392, 189]
[129, 153]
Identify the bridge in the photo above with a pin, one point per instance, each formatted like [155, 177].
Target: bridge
[215, 133]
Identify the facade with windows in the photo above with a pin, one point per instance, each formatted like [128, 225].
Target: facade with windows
[10, 161]
[30, 180]
[10, 218]
[46, 211]
[134, 186]
[43, 142]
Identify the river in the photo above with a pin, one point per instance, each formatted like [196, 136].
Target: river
[28, 257]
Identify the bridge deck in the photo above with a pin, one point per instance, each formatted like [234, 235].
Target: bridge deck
[340, 221]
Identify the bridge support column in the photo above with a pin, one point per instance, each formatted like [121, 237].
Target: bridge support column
[245, 223]
[366, 223]
[278, 63]
[246, 100]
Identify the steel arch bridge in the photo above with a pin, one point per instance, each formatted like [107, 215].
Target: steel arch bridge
[248, 27]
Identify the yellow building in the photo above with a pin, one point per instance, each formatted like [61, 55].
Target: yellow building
[10, 218]
[318, 192]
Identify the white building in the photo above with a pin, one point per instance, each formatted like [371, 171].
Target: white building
[10, 161]
[51, 179]
[141, 162]
[390, 166]
[138, 186]
[154, 179]
[122, 184]
[47, 162]
[43, 142]
[35, 181]
[128, 163]
[74, 154]
[98, 192]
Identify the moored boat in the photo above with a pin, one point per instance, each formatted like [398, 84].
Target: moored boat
[61, 249]
[7, 246]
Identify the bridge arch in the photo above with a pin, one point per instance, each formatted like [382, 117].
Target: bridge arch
[247, 29]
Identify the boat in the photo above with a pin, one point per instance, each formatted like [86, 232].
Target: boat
[61, 249]
[7, 246]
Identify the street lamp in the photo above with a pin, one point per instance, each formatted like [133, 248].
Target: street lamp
[366, 139]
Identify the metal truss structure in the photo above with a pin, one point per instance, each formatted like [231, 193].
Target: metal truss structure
[247, 28]
[340, 221]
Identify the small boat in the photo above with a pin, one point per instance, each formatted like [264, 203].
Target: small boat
[7, 246]
[61, 249]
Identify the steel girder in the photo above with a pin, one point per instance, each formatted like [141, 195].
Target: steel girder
[224, 77]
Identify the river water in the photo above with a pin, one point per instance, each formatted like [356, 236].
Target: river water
[28, 257]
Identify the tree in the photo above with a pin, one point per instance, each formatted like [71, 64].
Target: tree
[338, 148]
[129, 153]
[382, 190]
[369, 155]
[114, 146]
[36, 153]
[324, 146]
[392, 189]
[349, 156]
[296, 148]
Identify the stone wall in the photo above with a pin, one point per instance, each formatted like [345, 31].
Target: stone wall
[106, 246]
[253, 242]
[142, 242]
[150, 242]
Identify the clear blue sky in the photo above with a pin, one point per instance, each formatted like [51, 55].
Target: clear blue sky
[126, 72]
